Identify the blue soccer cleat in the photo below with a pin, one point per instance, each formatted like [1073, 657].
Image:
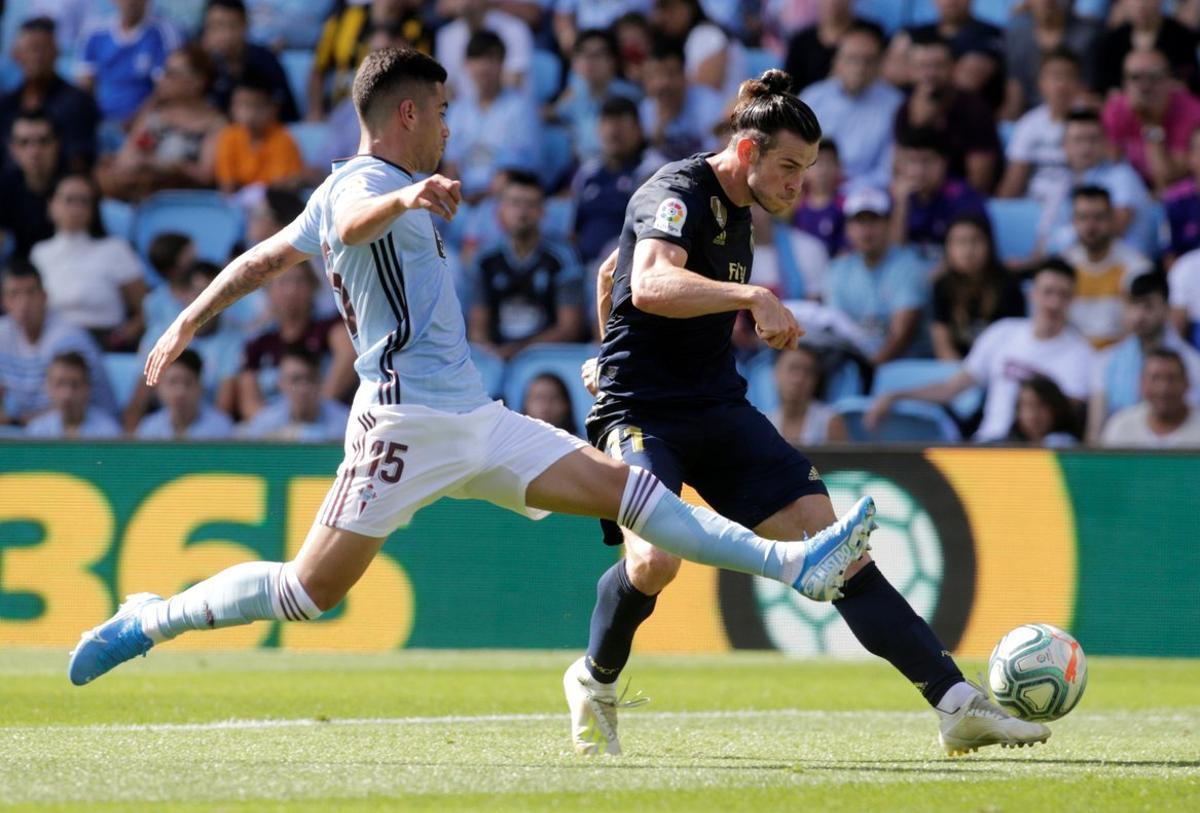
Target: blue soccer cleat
[829, 553]
[112, 643]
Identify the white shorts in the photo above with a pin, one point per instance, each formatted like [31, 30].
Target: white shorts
[401, 458]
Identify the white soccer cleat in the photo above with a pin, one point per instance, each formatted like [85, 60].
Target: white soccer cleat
[980, 722]
[593, 708]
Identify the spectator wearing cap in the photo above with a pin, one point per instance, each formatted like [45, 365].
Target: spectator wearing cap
[494, 128]
[1118, 369]
[346, 38]
[857, 109]
[528, 289]
[603, 186]
[185, 414]
[593, 81]
[925, 198]
[31, 335]
[1163, 419]
[29, 181]
[475, 17]
[963, 121]
[1106, 266]
[73, 112]
[300, 412]
[71, 414]
[1041, 28]
[1147, 27]
[240, 61]
[883, 287]
[1183, 204]
[819, 212]
[255, 148]
[1035, 148]
[173, 137]
[810, 51]
[678, 116]
[120, 60]
[1151, 119]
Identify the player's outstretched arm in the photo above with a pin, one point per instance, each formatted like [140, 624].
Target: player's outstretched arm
[662, 285]
[247, 273]
[366, 219]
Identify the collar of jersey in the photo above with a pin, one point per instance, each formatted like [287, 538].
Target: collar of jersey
[337, 162]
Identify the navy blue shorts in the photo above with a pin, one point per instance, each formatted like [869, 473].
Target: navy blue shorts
[729, 452]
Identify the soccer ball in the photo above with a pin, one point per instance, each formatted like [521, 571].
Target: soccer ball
[1037, 672]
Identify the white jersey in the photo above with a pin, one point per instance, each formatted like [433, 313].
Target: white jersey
[395, 294]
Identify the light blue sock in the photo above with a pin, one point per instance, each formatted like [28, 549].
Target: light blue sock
[652, 512]
[253, 591]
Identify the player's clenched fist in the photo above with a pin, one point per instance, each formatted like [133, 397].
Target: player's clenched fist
[437, 193]
[774, 322]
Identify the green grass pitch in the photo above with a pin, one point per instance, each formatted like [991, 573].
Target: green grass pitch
[266, 731]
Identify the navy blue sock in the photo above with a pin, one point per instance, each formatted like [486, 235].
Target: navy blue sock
[884, 622]
[620, 610]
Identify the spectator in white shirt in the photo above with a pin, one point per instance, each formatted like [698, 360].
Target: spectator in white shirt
[69, 384]
[1035, 148]
[476, 16]
[1105, 266]
[185, 414]
[300, 412]
[1163, 420]
[1185, 295]
[92, 280]
[1012, 350]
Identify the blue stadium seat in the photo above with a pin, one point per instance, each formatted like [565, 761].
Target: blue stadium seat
[908, 422]
[310, 137]
[759, 60]
[117, 217]
[1149, 232]
[1015, 223]
[557, 156]
[10, 75]
[546, 69]
[215, 225]
[124, 371]
[491, 369]
[559, 217]
[888, 14]
[562, 360]
[844, 381]
[297, 64]
[996, 12]
[905, 373]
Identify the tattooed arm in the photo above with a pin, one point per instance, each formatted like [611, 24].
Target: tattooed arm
[247, 273]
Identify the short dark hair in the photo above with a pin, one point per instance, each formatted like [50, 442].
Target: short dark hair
[284, 204]
[827, 144]
[615, 106]
[1083, 115]
[73, 358]
[1055, 265]
[19, 267]
[389, 70]
[601, 35]
[869, 29]
[1061, 53]
[204, 268]
[236, 6]
[38, 116]
[767, 105]
[300, 353]
[256, 82]
[930, 38]
[1151, 282]
[39, 25]
[486, 43]
[165, 249]
[1091, 192]
[520, 177]
[663, 47]
[925, 139]
[1165, 354]
[191, 359]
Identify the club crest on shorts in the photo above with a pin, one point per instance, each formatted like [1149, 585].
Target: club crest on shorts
[670, 216]
[365, 495]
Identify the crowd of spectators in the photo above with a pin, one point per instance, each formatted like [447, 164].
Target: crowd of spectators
[937, 130]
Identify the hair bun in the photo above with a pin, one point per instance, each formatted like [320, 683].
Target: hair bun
[772, 83]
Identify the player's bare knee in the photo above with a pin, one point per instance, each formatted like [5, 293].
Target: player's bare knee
[651, 569]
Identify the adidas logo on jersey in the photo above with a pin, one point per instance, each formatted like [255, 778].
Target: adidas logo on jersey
[719, 240]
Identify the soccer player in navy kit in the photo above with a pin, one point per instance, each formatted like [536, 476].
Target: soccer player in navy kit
[671, 401]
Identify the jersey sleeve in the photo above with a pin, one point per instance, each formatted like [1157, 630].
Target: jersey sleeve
[667, 211]
[304, 233]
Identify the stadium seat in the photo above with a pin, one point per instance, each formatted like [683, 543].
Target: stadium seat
[907, 422]
[124, 370]
[1015, 223]
[904, 373]
[10, 75]
[557, 156]
[310, 137]
[759, 60]
[491, 368]
[562, 360]
[117, 217]
[215, 225]
[559, 217]
[1004, 129]
[845, 381]
[297, 64]
[888, 14]
[546, 77]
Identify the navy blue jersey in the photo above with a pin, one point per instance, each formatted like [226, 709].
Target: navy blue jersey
[648, 358]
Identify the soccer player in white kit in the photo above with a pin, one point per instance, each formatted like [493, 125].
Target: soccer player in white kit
[422, 426]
